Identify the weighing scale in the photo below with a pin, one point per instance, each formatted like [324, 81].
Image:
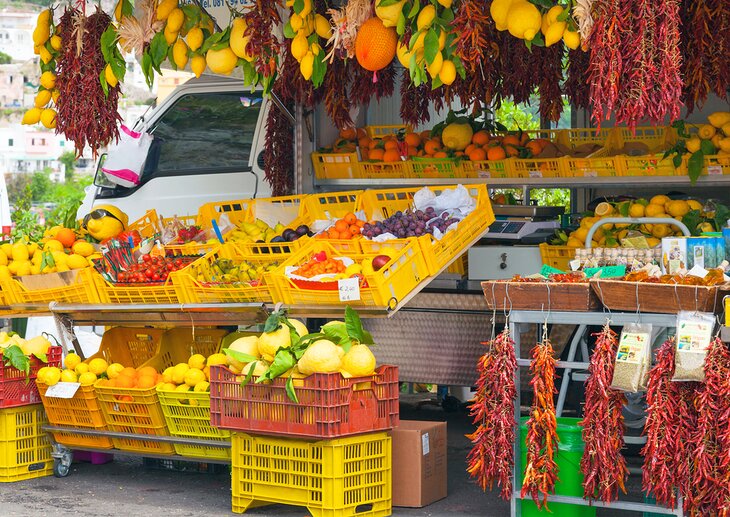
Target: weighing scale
[525, 224]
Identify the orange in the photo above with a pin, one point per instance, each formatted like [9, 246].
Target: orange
[511, 150]
[391, 155]
[412, 151]
[469, 148]
[459, 153]
[354, 229]
[534, 147]
[349, 133]
[360, 223]
[477, 154]
[146, 370]
[440, 154]
[146, 381]
[431, 147]
[391, 144]
[480, 138]
[375, 44]
[524, 138]
[364, 143]
[350, 218]
[66, 236]
[124, 381]
[126, 398]
[373, 144]
[129, 372]
[376, 154]
[346, 234]
[341, 225]
[413, 139]
[421, 153]
[496, 153]
[333, 234]
[511, 140]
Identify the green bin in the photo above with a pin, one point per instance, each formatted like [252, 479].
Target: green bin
[570, 483]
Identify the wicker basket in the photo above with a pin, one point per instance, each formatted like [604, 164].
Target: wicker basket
[535, 296]
[647, 297]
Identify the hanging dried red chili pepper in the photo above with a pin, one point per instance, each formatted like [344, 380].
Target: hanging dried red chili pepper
[336, 99]
[518, 64]
[720, 57]
[603, 467]
[415, 101]
[262, 18]
[709, 487]
[550, 70]
[491, 458]
[86, 115]
[668, 83]
[541, 470]
[576, 84]
[363, 89]
[697, 44]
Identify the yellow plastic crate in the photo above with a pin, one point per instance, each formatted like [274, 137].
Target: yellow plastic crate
[436, 168]
[129, 346]
[79, 289]
[134, 410]
[385, 130]
[81, 412]
[384, 288]
[539, 168]
[336, 165]
[558, 257]
[379, 204]
[487, 168]
[188, 416]
[237, 211]
[595, 165]
[714, 166]
[147, 225]
[330, 205]
[25, 451]
[651, 165]
[165, 293]
[179, 343]
[460, 266]
[376, 170]
[332, 478]
[189, 248]
[196, 290]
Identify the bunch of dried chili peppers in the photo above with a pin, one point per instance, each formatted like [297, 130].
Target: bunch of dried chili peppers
[603, 467]
[491, 458]
[541, 470]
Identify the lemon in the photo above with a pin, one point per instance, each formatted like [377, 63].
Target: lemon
[706, 132]
[636, 210]
[726, 129]
[75, 261]
[270, 342]
[81, 368]
[60, 258]
[435, 66]
[195, 38]
[724, 144]
[170, 36]
[165, 8]
[299, 46]
[555, 33]
[32, 116]
[296, 22]
[168, 386]
[3, 259]
[48, 80]
[359, 361]
[323, 28]
[574, 243]
[216, 359]
[42, 98]
[98, 365]
[580, 234]
[41, 375]
[426, 17]
[661, 230]
[719, 119]
[603, 209]
[180, 54]
[300, 327]
[197, 361]
[321, 356]
[71, 360]
[571, 39]
[456, 137]
[167, 374]
[178, 373]
[113, 370]
[24, 268]
[175, 20]
[659, 199]
[182, 388]
[306, 65]
[198, 65]
[202, 387]
[523, 20]
[53, 245]
[693, 144]
[388, 14]
[7, 248]
[447, 74]
[653, 210]
[677, 208]
[694, 204]
[83, 248]
[404, 56]
[111, 79]
[499, 10]
[87, 379]
[193, 376]
[69, 376]
[221, 61]
[52, 376]
[20, 252]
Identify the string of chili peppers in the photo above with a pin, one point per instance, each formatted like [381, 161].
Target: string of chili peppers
[541, 470]
[491, 458]
[603, 467]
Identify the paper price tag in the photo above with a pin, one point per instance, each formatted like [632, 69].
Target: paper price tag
[535, 174]
[63, 390]
[484, 174]
[714, 170]
[349, 289]
[548, 270]
[605, 272]
[575, 264]
[590, 174]
[425, 444]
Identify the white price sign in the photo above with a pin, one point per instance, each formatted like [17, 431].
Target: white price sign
[535, 174]
[714, 170]
[590, 174]
[484, 174]
[349, 289]
[63, 390]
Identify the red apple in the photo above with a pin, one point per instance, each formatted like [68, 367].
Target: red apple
[380, 261]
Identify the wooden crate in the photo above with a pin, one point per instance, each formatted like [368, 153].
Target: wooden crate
[535, 296]
[619, 295]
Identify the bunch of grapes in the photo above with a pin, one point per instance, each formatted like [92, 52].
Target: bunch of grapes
[410, 224]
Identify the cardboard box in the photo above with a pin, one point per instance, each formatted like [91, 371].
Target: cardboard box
[419, 463]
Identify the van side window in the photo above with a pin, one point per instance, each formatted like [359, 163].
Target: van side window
[206, 131]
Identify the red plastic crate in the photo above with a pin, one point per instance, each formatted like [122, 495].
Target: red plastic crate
[17, 389]
[330, 406]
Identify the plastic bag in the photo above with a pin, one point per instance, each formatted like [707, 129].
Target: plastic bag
[633, 358]
[694, 333]
[125, 161]
[457, 202]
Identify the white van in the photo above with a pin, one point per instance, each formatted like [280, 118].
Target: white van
[208, 146]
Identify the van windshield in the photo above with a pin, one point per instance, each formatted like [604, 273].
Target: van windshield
[206, 131]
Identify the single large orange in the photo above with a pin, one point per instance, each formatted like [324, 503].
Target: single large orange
[375, 44]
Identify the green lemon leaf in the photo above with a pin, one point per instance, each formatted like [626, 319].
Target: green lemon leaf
[695, 164]
[354, 325]
[239, 356]
[290, 390]
[414, 9]
[104, 86]
[288, 31]
[249, 375]
[400, 28]
[431, 45]
[14, 357]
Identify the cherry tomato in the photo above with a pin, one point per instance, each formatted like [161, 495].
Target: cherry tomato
[146, 258]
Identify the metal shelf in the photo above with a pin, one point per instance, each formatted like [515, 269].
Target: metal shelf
[586, 182]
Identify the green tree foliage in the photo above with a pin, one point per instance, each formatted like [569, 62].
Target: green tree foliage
[515, 117]
[5, 58]
[68, 159]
